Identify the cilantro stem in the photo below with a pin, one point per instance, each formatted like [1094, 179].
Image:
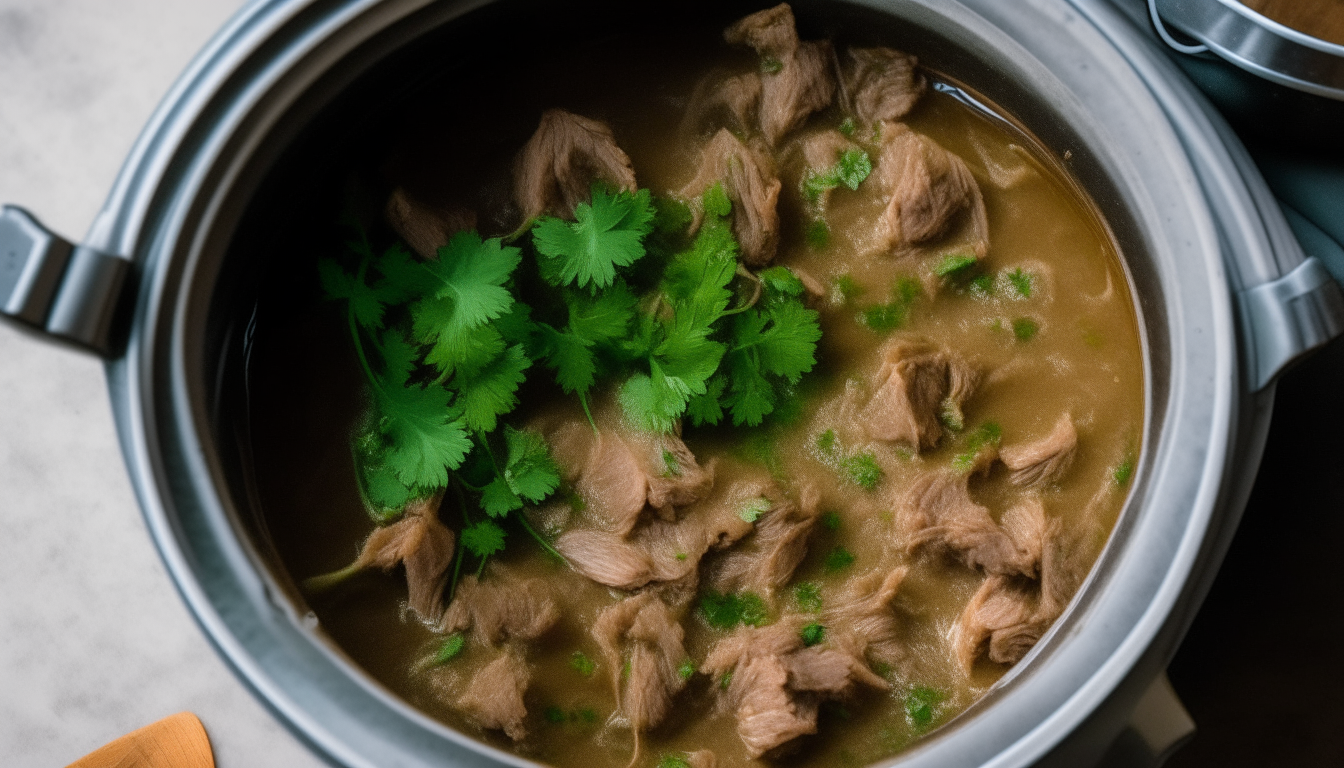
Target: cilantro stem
[319, 584]
[481, 568]
[583, 400]
[354, 334]
[544, 545]
[755, 296]
[457, 484]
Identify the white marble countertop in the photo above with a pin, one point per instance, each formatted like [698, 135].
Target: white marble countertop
[94, 640]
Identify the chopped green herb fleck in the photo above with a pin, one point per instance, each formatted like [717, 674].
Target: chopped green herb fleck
[726, 681]
[950, 415]
[727, 611]
[853, 168]
[450, 649]
[1021, 281]
[771, 66]
[839, 559]
[812, 634]
[579, 662]
[982, 286]
[892, 315]
[986, 434]
[848, 289]
[1024, 328]
[826, 441]
[862, 470]
[808, 595]
[554, 715]
[831, 521]
[686, 670]
[681, 556]
[818, 234]
[754, 509]
[672, 467]
[847, 126]
[1124, 471]
[956, 265]
[584, 715]
[920, 705]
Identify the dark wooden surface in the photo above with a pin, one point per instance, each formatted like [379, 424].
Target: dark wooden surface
[1262, 669]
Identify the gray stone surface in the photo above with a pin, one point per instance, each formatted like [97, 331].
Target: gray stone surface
[94, 640]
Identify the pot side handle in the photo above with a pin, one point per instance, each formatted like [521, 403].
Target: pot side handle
[67, 293]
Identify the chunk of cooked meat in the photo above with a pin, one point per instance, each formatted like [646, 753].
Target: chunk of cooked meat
[863, 613]
[494, 697]
[1006, 617]
[424, 227]
[915, 384]
[620, 473]
[643, 630]
[797, 78]
[419, 542]
[820, 150]
[938, 514]
[1042, 461]
[776, 684]
[555, 170]
[770, 557]
[723, 101]
[749, 179]
[501, 607]
[880, 84]
[772, 32]
[659, 550]
[927, 185]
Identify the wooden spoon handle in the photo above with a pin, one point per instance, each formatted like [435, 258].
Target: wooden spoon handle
[176, 741]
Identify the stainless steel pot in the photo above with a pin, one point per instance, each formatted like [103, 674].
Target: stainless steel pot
[1225, 296]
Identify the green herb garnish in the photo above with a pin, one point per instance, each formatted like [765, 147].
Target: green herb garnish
[554, 715]
[920, 706]
[813, 634]
[1022, 281]
[985, 435]
[818, 234]
[687, 670]
[838, 559]
[808, 596]
[862, 470]
[605, 234]
[850, 170]
[754, 509]
[450, 649]
[831, 521]
[892, 315]
[956, 266]
[727, 611]
[1024, 328]
[1124, 471]
[826, 441]
[579, 662]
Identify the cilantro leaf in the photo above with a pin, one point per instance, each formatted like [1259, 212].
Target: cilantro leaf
[705, 409]
[483, 539]
[853, 167]
[1022, 282]
[367, 302]
[1024, 328]
[839, 559]
[579, 662]
[862, 470]
[571, 357]
[921, 705]
[956, 265]
[754, 509]
[426, 437]
[529, 473]
[467, 292]
[486, 394]
[725, 611]
[606, 234]
[715, 201]
[687, 670]
[808, 596]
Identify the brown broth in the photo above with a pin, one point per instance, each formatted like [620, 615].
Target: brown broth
[1086, 359]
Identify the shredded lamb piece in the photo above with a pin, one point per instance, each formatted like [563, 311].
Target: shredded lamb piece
[660, 550]
[645, 627]
[424, 545]
[723, 102]
[915, 383]
[423, 227]
[1008, 614]
[880, 84]
[927, 185]
[777, 684]
[777, 548]
[555, 170]
[801, 81]
[863, 614]
[939, 514]
[501, 607]
[750, 181]
[619, 474]
[1042, 461]
[494, 697]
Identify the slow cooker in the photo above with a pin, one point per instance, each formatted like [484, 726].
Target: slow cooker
[1226, 296]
